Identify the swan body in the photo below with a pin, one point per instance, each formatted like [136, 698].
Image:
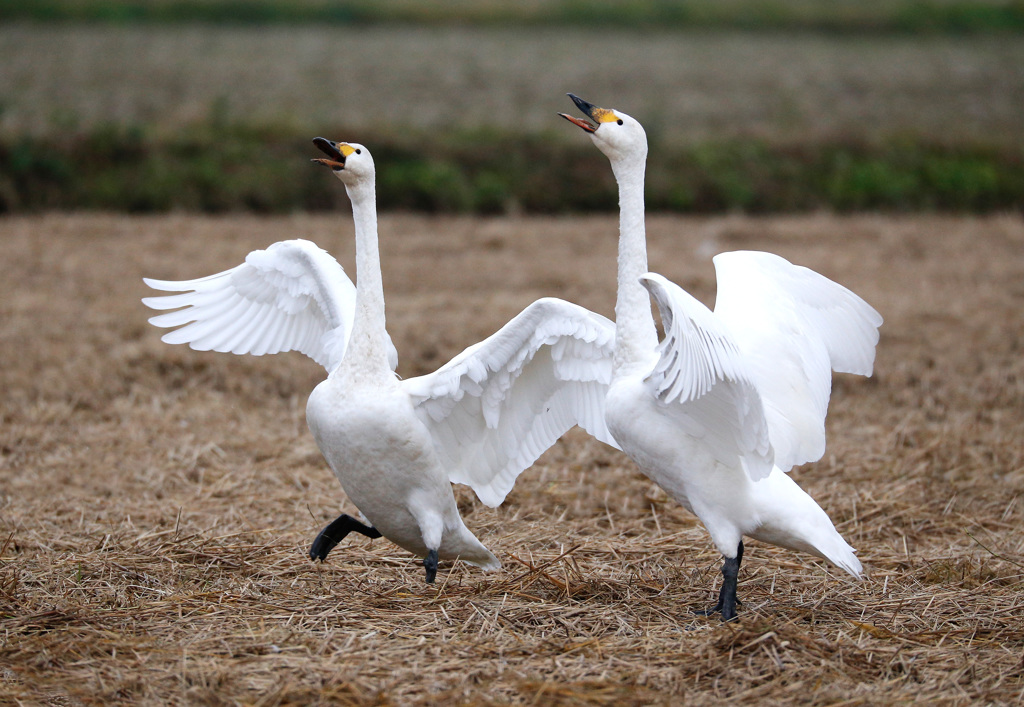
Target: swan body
[383, 455]
[397, 445]
[729, 400]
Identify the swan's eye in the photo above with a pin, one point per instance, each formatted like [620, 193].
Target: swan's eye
[359, 152]
[619, 121]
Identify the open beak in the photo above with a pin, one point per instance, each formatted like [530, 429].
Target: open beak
[588, 109]
[335, 158]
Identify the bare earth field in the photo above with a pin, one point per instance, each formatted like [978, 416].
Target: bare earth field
[156, 503]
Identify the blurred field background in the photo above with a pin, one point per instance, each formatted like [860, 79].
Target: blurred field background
[749, 107]
[156, 503]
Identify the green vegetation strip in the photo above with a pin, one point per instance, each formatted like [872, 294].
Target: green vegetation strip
[915, 16]
[238, 168]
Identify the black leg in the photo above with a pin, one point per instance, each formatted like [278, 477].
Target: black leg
[335, 532]
[430, 562]
[727, 599]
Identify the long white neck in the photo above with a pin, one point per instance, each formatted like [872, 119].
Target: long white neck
[366, 354]
[635, 334]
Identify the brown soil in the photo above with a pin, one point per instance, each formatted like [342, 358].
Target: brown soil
[156, 503]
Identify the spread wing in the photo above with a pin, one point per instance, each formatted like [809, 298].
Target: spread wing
[293, 296]
[496, 407]
[702, 380]
[793, 327]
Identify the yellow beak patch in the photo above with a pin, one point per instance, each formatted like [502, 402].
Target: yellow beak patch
[603, 115]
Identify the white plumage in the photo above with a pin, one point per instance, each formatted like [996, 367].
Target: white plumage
[394, 445]
[293, 296]
[497, 406]
[729, 400]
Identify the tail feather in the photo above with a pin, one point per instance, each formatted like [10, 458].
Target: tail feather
[479, 557]
[790, 518]
[841, 554]
[825, 542]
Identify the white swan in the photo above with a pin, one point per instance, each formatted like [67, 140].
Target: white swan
[395, 445]
[729, 400]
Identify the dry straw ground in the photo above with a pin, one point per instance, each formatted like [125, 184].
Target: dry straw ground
[156, 503]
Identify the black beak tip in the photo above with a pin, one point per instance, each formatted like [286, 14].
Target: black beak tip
[329, 148]
[583, 105]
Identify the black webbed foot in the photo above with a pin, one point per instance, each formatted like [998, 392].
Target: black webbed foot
[335, 532]
[430, 562]
[727, 599]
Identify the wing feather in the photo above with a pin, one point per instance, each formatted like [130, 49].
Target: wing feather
[293, 296]
[501, 403]
[702, 380]
[793, 327]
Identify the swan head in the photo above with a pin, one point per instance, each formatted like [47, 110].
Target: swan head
[350, 161]
[619, 136]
